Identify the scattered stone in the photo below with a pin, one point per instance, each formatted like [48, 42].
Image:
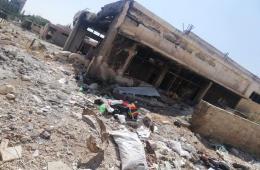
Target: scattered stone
[188, 147]
[37, 99]
[20, 58]
[166, 166]
[64, 54]
[4, 144]
[36, 153]
[147, 121]
[63, 81]
[11, 153]
[3, 58]
[6, 42]
[12, 53]
[181, 123]
[25, 139]
[240, 167]
[176, 146]
[25, 78]
[48, 56]
[57, 165]
[92, 144]
[10, 96]
[45, 135]
[36, 45]
[6, 88]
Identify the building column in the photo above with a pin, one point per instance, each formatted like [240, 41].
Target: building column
[98, 63]
[75, 38]
[203, 91]
[162, 75]
[132, 52]
[107, 44]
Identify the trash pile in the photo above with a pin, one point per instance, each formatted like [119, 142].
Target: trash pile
[120, 109]
[147, 135]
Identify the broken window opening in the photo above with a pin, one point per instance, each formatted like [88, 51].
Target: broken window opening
[148, 66]
[95, 32]
[120, 52]
[255, 97]
[222, 97]
[48, 37]
[65, 34]
[180, 84]
[145, 66]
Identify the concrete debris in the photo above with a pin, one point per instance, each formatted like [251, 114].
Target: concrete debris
[4, 144]
[10, 153]
[62, 55]
[37, 46]
[10, 96]
[45, 135]
[142, 91]
[7, 42]
[36, 153]
[165, 165]
[3, 58]
[6, 88]
[182, 123]
[57, 165]
[25, 78]
[241, 167]
[147, 121]
[100, 143]
[215, 164]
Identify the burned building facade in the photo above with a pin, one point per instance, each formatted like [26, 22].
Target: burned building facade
[136, 46]
[56, 34]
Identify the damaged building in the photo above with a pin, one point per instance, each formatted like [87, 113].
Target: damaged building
[134, 46]
[56, 34]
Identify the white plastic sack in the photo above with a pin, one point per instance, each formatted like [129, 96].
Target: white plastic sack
[143, 133]
[176, 146]
[115, 102]
[131, 150]
[121, 118]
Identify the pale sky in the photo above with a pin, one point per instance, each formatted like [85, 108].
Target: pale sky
[232, 26]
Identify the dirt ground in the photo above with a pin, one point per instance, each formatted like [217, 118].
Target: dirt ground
[42, 112]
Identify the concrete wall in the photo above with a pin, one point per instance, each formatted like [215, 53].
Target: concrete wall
[152, 31]
[211, 121]
[250, 108]
[57, 36]
[36, 28]
[59, 39]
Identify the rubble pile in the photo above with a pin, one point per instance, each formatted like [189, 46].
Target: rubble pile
[53, 117]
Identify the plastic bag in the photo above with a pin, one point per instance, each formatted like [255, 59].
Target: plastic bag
[176, 146]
